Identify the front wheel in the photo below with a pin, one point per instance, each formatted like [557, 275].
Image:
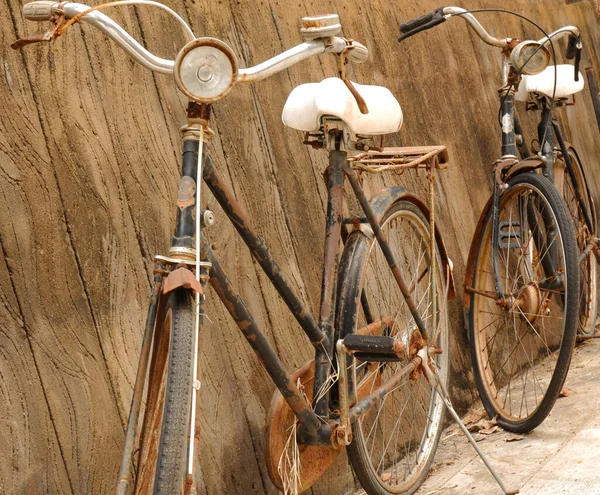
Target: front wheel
[394, 443]
[164, 436]
[524, 303]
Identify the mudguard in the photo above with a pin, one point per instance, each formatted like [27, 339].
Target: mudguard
[181, 277]
[470, 268]
[386, 197]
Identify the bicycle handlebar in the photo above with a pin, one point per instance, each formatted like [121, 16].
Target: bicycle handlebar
[43, 10]
[432, 19]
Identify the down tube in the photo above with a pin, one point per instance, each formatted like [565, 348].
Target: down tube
[269, 359]
[241, 221]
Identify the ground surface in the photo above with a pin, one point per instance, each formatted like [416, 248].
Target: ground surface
[561, 456]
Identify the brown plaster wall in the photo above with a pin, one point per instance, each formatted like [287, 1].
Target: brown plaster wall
[89, 157]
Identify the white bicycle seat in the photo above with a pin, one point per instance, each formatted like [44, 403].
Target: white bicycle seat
[307, 103]
[543, 83]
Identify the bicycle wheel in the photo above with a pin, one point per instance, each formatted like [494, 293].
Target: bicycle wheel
[588, 297]
[394, 443]
[164, 435]
[521, 344]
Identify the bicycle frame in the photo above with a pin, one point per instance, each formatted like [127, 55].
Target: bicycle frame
[514, 146]
[312, 429]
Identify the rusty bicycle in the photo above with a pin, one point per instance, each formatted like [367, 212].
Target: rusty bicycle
[531, 274]
[377, 382]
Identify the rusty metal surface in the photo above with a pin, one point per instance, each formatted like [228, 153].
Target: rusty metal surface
[181, 277]
[241, 222]
[266, 354]
[152, 423]
[324, 353]
[57, 22]
[315, 460]
[131, 433]
[398, 159]
[526, 165]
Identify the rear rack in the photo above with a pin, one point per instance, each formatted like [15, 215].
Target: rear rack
[397, 159]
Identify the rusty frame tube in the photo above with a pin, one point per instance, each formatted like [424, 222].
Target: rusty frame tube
[240, 220]
[362, 407]
[385, 248]
[333, 235]
[595, 94]
[131, 434]
[236, 307]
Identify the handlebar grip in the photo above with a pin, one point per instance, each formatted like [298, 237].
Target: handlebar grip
[434, 22]
[577, 62]
[38, 11]
[571, 47]
[359, 53]
[417, 22]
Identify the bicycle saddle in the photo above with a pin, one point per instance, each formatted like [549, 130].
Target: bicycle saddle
[307, 103]
[543, 83]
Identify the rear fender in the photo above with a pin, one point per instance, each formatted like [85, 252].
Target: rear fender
[386, 197]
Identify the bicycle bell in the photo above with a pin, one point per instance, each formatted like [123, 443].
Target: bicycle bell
[530, 57]
[320, 26]
[205, 70]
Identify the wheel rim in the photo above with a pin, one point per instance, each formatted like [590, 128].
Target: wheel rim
[517, 343]
[153, 417]
[587, 267]
[399, 435]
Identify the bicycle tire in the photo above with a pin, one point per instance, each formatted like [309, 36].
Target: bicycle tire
[414, 408]
[540, 309]
[588, 287]
[164, 435]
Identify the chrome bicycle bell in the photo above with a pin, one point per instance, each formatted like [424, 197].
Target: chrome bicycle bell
[205, 70]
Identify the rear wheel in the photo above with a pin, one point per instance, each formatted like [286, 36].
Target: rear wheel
[394, 443]
[588, 297]
[164, 436]
[521, 343]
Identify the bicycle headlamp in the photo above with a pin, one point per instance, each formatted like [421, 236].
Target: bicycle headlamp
[530, 57]
[205, 70]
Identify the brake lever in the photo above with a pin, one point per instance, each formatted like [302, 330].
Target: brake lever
[343, 75]
[52, 33]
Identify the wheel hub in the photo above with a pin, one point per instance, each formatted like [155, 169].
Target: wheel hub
[529, 302]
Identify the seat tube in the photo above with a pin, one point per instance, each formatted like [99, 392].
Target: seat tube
[335, 197]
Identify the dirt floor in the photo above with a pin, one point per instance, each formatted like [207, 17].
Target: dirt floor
[560, 457]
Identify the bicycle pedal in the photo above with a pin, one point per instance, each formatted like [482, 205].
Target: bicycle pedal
[375, 347]
[509, 235]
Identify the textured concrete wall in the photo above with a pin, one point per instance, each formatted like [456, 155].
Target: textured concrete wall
[89, 157]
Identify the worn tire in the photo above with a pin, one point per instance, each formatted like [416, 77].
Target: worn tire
[512, 343]
[164, 437]
[413, 414]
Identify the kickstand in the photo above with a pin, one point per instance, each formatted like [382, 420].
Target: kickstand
[433, 378]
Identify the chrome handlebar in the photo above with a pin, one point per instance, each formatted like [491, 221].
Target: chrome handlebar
[43, 10]
[475, 25]
[491, 40]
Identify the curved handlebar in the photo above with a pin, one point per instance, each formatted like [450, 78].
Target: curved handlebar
[432, 19]
[43, 10]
